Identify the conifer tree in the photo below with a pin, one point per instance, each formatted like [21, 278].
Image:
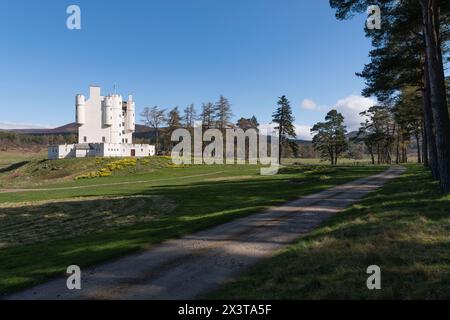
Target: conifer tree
[285, 125]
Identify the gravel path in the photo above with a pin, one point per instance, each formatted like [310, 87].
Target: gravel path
[192, 266]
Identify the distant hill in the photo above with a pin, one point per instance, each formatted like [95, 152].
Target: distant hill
[349, 135]
[24, 139]
[141, 132]
[303, 142]
[70, 128]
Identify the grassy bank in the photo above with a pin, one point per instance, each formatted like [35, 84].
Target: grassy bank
[87, 221]
[404, 228]
[38, 172]
[10, 157]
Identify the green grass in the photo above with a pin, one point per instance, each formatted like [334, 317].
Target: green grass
[202, 196]
[366, 160]
[317, 161]
[10, 157]
[40, 172]
[404, 228]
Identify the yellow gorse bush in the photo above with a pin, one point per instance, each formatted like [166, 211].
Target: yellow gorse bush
[109, 168]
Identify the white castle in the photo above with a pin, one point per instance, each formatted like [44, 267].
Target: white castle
[105, 129]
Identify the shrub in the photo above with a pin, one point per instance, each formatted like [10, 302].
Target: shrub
[109, 168]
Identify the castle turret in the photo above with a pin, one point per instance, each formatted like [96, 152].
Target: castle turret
[80, 102]
[116, 129]
[130, 120]
[107, 111]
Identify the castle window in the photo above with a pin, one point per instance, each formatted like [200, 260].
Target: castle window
[103, 139]
[85, 139]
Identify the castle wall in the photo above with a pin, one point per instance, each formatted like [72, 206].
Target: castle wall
[100, 150]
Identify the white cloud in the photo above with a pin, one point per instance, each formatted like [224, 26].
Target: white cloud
[351, 107]
[21, 125]
[309, 104]
[302, 131]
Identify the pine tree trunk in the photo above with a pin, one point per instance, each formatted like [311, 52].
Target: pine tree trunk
[280, 144]
[397, 154]
[404, 154]
[438, 95]
[419, 152]
[429, 127]
[378, 154]
[425, 147]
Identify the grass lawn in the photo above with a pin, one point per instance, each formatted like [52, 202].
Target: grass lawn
[404, 229]
[13, 156]
[88, 221]
[317, 161]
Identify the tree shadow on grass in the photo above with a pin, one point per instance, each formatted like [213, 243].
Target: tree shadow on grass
[13, 166]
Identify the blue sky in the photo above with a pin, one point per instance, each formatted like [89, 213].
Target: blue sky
[176, 52]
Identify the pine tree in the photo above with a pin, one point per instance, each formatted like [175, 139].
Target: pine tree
[207, 115]
[223, 113]
[173, 120]
[378, 132]
[285, 124]
[173, 123]
[245, 124]
[190, 116]
[422, 24]
[329, 136]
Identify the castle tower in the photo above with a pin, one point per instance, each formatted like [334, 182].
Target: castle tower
[106, 119]
[105, 128]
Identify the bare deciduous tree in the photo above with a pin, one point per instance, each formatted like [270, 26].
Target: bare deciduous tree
[154, 117]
